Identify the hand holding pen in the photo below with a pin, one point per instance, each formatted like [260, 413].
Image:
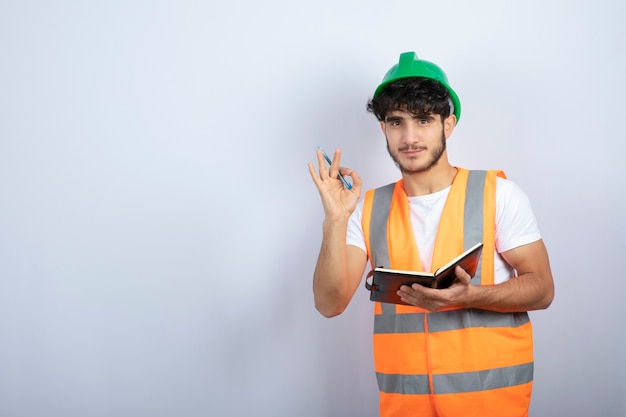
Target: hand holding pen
[339, 197]
[346, 183]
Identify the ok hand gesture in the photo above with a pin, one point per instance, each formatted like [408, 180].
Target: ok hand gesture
[338, 201]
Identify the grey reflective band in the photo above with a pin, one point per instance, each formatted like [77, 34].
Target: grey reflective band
[473, 218]
[509, 376]
[446, 320]
[388, 322]
[489, 379]
[471, 318]
[378, 225]
[402, 384]
[388, 310]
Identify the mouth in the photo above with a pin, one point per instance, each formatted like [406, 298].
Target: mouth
[410, 152]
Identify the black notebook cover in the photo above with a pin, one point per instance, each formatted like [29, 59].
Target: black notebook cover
[386, 282]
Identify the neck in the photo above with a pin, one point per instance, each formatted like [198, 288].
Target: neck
[435, 179]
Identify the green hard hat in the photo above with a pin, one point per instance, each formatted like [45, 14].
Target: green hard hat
[410, 65]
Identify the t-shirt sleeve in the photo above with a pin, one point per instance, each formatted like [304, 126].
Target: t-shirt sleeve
[355, 234]
[516, 224]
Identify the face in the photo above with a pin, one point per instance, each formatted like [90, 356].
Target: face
[416, 143]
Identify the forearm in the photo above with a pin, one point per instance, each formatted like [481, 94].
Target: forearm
[330, 276]
[533, 289]
[332, 286]
[526, 292]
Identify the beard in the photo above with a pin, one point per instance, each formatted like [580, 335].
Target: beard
[433, 156]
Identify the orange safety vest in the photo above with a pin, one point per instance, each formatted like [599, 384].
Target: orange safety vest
[457, 362]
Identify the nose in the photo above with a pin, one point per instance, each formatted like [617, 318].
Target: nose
[411, 134]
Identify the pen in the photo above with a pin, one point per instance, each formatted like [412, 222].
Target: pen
[346, 183]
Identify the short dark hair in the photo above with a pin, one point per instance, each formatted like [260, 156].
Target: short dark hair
[416, 95]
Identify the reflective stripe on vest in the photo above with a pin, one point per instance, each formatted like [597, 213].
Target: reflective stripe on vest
[482, 357]
[457, 383]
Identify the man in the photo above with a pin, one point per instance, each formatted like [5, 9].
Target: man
[461, 351]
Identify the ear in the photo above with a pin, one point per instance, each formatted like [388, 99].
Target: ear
[382, 125]
[448, 125]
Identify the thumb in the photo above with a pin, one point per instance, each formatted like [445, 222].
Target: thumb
[463, 276]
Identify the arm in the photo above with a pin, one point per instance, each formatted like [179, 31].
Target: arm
[338, 272]
[339, 267]
[532, 289]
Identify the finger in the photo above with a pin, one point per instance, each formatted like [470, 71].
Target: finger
[414, 291]
[404, 291]
[334, 165]
[314, 175]
[415, 298]
[424, 291]
[337, 156]
[462, 275]
[356, 180]
[321, 162]
[405, 297]
[320, 180]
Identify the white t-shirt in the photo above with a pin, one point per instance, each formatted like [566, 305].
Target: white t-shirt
[516, 224]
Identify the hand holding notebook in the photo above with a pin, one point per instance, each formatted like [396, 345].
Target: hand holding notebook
[386, 282]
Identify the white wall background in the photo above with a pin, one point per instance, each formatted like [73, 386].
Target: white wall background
[159, 229]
